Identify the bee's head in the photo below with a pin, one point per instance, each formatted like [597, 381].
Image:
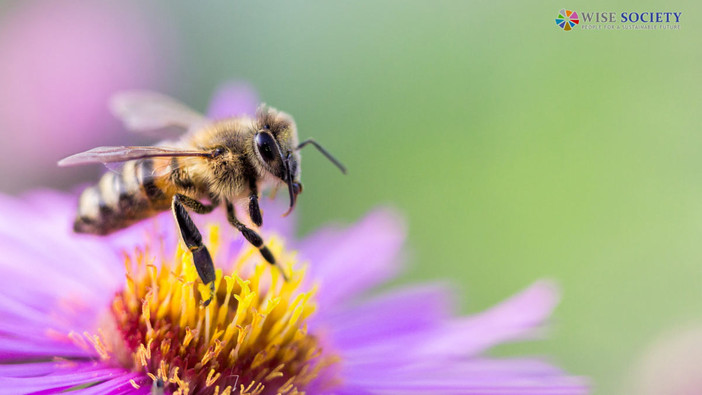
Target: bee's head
[275, 146]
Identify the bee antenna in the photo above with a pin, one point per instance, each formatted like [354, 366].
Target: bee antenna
[324, 152]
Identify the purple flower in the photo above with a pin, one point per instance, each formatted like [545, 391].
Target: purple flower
[121, 313]
[70, 319]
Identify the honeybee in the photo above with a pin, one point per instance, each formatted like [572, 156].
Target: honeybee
[223, 162]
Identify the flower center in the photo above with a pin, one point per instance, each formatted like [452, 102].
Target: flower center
[251, 339]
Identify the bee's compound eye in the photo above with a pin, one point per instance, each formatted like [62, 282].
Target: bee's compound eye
[217, 152]
[266, 145]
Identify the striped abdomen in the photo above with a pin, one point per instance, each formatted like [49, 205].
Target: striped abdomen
[120, 199]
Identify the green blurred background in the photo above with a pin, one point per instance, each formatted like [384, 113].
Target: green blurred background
[517, 151]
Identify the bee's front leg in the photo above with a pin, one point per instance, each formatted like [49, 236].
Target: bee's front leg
[252, 237]
[254, 209]
[193, 240]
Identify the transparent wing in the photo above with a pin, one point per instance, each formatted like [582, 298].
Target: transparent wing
[160, 166]
[107, 155]
[142, 111]
[166, 165]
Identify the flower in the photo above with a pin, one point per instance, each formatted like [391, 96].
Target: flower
[121, 314]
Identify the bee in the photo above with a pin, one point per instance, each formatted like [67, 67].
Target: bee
[221, 162]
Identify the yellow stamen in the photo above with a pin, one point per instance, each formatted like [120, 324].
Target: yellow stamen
[210, 379]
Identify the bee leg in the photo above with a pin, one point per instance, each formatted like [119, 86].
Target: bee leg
[193, 240]
[195, 205]
[254, 210]
[252, 237]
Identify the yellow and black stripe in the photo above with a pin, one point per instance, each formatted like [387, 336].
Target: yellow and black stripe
[122, 198]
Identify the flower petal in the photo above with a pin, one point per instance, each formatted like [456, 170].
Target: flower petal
[27, 369]
[121, 385]
[232, 99]
[51, 246]
[57, 207]
[476, 376]
[18, 349]
[350, 261]
[514, 319]
[404, 311]
[459, 338]
[60, 379]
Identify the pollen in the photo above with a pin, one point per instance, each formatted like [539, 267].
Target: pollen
[251, 339]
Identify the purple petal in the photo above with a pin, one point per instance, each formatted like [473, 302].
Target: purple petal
[121, 385]
[59, 379]
[476, 376]
[383, 318]
[17, 349]
[458, 338]
[159, 230]
[479, 369]
[59, 207]
[51, 245]
[232, 99]
[34, 268]
[43, 332]
[32, 322]
[27, 369]
[273, 220]
[56, 286]
[516, 318]
[351, 261]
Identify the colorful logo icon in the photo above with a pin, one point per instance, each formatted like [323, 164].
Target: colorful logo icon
[566, 19]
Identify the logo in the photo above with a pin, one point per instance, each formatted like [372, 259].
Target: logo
[566, 19]
[617, 20]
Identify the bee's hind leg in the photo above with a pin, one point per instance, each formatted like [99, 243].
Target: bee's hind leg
[192, 238]
[252, 237]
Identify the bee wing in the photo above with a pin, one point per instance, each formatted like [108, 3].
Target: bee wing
[107, 155]
[159, 167]
[142, 111]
